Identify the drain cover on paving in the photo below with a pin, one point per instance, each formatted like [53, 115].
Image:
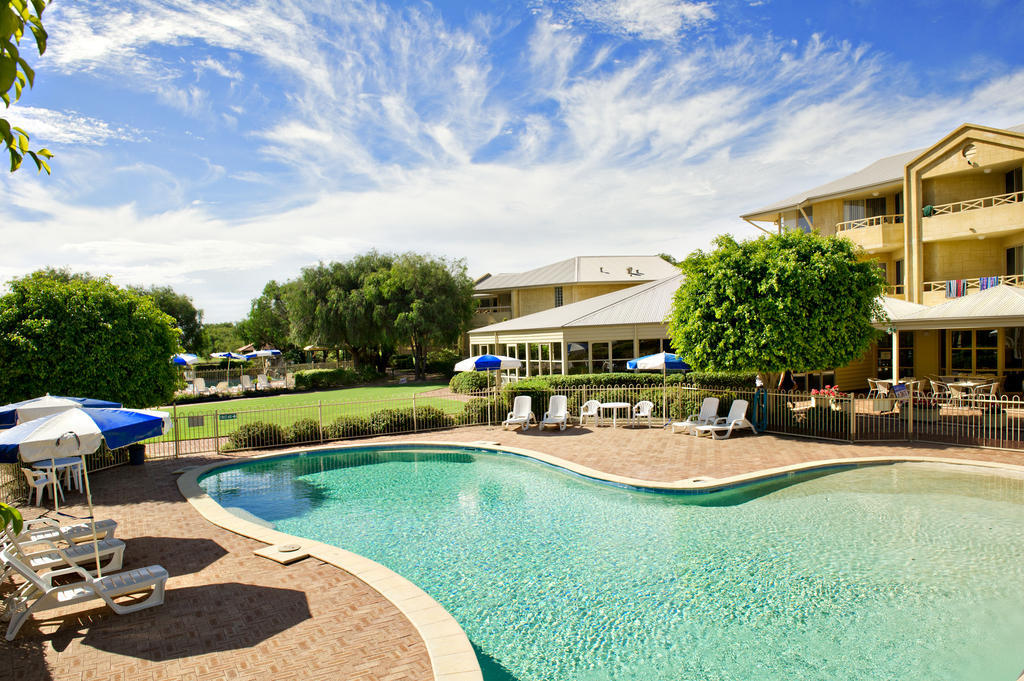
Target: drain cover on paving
[288, 548]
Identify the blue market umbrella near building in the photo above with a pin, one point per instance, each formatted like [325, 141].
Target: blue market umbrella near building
[76, 433]
[229, 356]
[27, 410]
[184, 359]
[665, 361]
[488, 363]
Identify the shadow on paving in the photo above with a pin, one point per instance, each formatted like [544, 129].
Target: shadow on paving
[180, 556]
[192, 621]
[23, 659]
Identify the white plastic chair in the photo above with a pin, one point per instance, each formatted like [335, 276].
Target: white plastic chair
[247, 385]
[708, 413]
[199, 387]
[40, 481]
[39, 592]
[521, 415]
[722, 428]
[262, 382]
[557, 413]
[590, 409]
[643, 410]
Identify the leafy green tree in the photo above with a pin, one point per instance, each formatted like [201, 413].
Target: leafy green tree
[222, 336]
[15, 73]
[787, 301]
[330, 305]
[84, 337]
[425, 302]
[268, 323]
[188, 319]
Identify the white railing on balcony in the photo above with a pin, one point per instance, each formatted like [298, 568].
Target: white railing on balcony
[493, 309]
[975, 204]
[869, 222]
[974, 283]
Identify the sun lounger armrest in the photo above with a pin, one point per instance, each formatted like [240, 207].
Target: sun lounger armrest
[72, 570]
[720, 421]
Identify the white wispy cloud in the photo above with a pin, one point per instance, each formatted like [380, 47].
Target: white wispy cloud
[69, 127]
[647, 19]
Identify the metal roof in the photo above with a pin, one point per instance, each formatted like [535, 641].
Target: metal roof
[644, 304]
[897, 308]
[584, 269]
[1001, 305]
[886, 170]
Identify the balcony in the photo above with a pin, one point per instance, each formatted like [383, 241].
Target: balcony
[989, 215]
[935, 291]
[875, 234]
[486, 315]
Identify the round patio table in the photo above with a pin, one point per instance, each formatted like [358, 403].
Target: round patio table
[615, 406]
[70, 466]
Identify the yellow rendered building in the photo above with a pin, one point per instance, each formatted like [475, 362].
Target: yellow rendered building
[946, 225]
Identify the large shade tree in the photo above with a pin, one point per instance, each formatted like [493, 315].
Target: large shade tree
[85, 337]
[424, 302]
[789, 301]
[268, 323]
[187, 318]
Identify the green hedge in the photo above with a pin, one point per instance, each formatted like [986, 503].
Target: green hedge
[442, 361]
[468, 382]
[699, 379]
[319, 379]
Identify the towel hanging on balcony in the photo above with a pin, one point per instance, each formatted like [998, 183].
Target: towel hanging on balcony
[985, 283]
[956, 288]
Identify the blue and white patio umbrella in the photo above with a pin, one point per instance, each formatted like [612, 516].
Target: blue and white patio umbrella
[662, 361]
[228, 356]
[488, 363]
[78, 432]
[37, 407]
[184, 359]
[270, 352]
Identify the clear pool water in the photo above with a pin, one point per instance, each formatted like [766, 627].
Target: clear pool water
[890, 572]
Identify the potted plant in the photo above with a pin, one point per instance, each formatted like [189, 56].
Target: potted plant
[826, 397]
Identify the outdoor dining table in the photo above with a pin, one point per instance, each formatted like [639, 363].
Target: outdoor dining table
[614, 406]
[70, 466]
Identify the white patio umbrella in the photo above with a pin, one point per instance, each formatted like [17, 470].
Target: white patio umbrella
[229, 356]
[488, 363]
[78, 432]
[27, 410]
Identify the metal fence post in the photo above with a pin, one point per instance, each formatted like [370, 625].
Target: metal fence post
[320, 418]
[216, 430]
[853, 417]
[415, 426]
[174, 428]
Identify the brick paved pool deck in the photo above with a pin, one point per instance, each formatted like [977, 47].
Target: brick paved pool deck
[232, 615]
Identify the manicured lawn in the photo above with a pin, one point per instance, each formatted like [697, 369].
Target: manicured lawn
[217, 419]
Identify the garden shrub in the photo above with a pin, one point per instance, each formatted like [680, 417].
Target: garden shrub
[304, 430]
[442, 361]
[319, 379]
[347, 426]
[475, 411]
[468, 382]
[255, 435]
[387, 421]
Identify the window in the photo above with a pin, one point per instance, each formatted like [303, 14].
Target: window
[906, 353]
[558, 296]
[897, 205]
[601, 358]
[578, 355]
[973, 351]
[1015, 183]
[853, 210]
[898, 275]
[805, 224]
[622, 352]
[649, 346]
[1015, 260]
[875, 207]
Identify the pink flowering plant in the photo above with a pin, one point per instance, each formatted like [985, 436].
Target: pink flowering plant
[828, 391]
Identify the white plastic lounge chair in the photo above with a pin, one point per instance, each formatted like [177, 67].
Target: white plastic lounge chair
[41, 480]
[40, 593]
[262, 382]
[247, 383]
[557, 413]
[49, 530]
[49, 555]
[707, 415]
[590, 409]
[643, 410]
[520, 414]
[722, 428]
[199, 387]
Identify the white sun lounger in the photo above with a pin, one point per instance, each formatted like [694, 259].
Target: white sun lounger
[48, 555]
[722, 428]
[49, 530]
[521, 415]
[557, 413]
[39, 593]
[708, 414]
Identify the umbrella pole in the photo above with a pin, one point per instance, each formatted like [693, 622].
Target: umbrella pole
[92, 518]
[53, 480]
[664, 395]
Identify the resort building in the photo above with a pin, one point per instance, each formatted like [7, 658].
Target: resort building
[509, 296]
[595, 335]
[946, 225]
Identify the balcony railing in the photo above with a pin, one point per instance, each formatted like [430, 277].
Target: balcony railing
[869, 222]
[974, 284]
[493, 309]
[975, 204]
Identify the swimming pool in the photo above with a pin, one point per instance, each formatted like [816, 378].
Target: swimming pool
[904, 572]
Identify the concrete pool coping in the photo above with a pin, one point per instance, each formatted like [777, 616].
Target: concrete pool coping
[451, 655]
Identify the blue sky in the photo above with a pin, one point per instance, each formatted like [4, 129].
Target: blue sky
[212, 146]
